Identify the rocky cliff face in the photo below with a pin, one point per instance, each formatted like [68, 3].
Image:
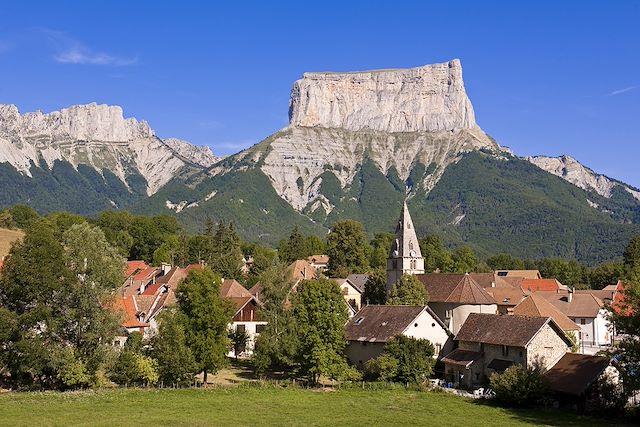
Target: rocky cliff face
[576, 173]
[94, 135]
[394, 118]
[431, 98]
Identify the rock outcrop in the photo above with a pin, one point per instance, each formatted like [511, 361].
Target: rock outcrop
[579, 175]
[431, 98]
[98, 136]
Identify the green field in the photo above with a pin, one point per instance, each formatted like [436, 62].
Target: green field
[240, 406]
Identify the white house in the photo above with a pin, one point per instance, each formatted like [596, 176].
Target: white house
[375, 325]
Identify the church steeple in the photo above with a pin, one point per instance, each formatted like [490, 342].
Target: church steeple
[405, 256]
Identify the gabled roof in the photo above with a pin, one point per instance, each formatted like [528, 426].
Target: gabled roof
[300, 270]
[462, 357]
[256, 290]
[318, 259]
[508, 297]
[535, 285]
[454, 288]
[128, 306]
[574, 373]
[358, 281]
[232, 289]
[581, 305]
[134, 266]
[536, 306]
[405, 243]
[490, 280]
[515, 331]
[380, 323]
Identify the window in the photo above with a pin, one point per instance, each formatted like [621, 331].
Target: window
[415, 325]
[582, 321]
[260, 328]
[448, 314]
[358, 320]
[505, 350]
[438, 348]
[520, 354]
[502, 273]
[241, 329]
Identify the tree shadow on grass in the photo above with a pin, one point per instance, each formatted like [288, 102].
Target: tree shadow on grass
[552, 416]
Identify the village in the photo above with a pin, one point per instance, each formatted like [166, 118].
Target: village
[478, 323]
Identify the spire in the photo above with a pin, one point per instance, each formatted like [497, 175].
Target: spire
[406, 241]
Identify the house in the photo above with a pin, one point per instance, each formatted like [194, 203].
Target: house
[507, 298]
[358, 281]
[525, 274]
[300, 270]
[247, 263]
[574, 379]
[405, 256]
[452, 297]
[351, 294]
[491, 280]
[319, 262]
[375, 325]
[246, 318]
[536, 306]
[490, 343]
[589, 313]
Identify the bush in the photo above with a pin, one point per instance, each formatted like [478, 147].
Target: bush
[404, 360]
[519, 386]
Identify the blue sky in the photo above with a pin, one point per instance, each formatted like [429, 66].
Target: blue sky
[544, 77]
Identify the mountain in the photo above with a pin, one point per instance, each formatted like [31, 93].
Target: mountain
[87, 158]
[357, 142]
[356, 145]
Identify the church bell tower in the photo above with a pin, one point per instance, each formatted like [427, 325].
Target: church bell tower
[405, 256]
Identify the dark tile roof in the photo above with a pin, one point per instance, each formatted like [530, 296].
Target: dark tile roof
[358, 281]
[574, 373]
[500, 365]
[454, 288]
[515, 331]
[380, 323]
[462, 357]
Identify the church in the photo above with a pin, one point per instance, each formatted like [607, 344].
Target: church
[405, 256]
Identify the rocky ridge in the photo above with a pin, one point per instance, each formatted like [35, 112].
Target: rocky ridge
[571, 170]
[98, 136]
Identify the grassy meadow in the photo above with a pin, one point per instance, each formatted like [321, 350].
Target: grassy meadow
[254, 405]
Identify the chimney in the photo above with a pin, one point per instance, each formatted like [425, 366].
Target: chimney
[304, 272]
[570, 297]
[165, 267]
[493, 284]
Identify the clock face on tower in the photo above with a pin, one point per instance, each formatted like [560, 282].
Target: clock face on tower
[412, 253]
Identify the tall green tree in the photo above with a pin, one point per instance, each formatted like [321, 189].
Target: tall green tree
[436, 256]
[404, 360]
[226, 254]
[347, 248]
[570, 273]
[381, 245]
[464, 260]
[375, 289]
[605, 274]
[176, 364]
[206, 318]
[408, 291]
[278, 344]
[295, 246]
[505, 262]
[314, 245]
[320, 313]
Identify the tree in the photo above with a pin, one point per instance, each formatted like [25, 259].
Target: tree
[277, 346]
[405, 360]
[570, 273]
[23, 216]
[167, 252]
[295, 247]
[176, 364]
[408, 291]
[225, 253]
[626, 317]
[314, 245]
[605, 274]
[519, 386]
[436, 255]
[381, 245]
[505, 262]
[56, 296]
[347, 248]
[375, 289]
[206, 318]
[238, 341]
[464, 260]
[631, 255]
[320, 314]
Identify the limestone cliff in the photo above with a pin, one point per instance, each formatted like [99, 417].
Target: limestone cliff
[94, 135]
[431, 98]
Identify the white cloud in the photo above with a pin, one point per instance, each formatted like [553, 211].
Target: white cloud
[623, 90]
[81, 55]
[68, 50]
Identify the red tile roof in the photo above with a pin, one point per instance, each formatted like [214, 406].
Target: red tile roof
[134, 266]
[454, 288]
[129, 308]
[232, 289]
[535, 285]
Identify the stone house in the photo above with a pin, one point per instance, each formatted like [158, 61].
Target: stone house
[490, 343]
[589, 313]
[452, 297]
[373, 326]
